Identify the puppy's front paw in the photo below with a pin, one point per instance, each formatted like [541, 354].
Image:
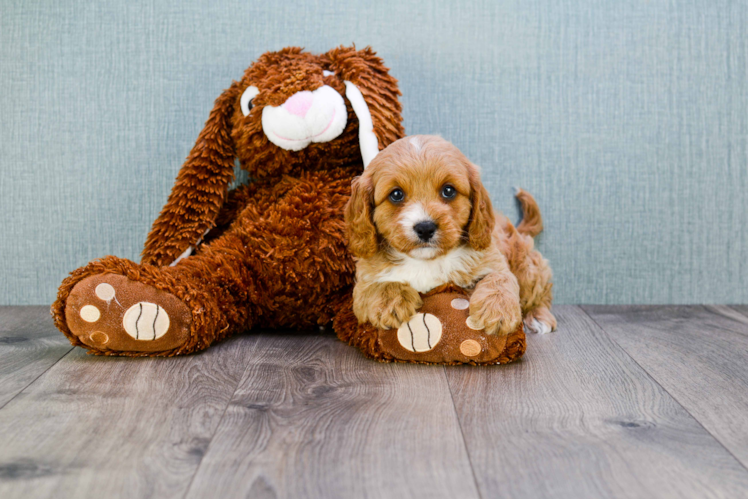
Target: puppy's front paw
[398, 310]
[540, 321]
[495, 313]
[385, 305]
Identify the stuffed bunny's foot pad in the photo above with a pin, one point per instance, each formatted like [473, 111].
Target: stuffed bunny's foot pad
[440, 333]
[109, 312]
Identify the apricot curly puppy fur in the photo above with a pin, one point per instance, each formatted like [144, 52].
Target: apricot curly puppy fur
[419, 217]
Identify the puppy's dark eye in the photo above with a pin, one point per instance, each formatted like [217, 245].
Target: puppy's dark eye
[397, 195]
[448, 192]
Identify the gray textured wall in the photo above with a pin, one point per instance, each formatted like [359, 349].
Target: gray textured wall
[627, 120]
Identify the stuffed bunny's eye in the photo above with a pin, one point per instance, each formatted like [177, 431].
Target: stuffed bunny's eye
[246, 100]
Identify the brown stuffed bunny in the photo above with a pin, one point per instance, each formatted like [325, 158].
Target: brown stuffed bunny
[270, 253]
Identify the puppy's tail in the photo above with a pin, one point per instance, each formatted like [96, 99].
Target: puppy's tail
[531, 223]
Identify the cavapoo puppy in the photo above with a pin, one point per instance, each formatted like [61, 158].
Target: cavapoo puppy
[419, 217]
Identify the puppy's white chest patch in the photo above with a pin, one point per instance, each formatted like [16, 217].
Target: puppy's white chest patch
[423, 275]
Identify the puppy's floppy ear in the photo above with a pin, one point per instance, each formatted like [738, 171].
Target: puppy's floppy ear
[482, 218]
[200, 189]
[360, 229]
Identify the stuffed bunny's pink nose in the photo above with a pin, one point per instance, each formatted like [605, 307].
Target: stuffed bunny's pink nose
[299, 103]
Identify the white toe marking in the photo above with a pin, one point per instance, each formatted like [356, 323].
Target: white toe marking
[460, 304]
[530, 325]
[146, 321]
[471, 324]
[537, 327]
[421, 333]
[105, 291]
[90, 313]
[544, 328]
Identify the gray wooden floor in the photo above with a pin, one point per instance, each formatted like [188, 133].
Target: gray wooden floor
[620, 402]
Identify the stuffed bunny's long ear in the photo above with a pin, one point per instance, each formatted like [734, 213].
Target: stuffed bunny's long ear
[199, 191]
[374, 96]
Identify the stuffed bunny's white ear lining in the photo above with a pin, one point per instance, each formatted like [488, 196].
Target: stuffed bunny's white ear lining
[366, 137]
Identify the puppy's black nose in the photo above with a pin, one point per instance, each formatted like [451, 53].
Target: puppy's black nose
[425, 230]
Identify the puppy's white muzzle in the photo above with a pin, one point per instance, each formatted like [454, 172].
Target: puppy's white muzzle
[305, 117]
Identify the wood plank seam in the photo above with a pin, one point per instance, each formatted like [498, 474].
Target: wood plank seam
[323, 421]
[734, 307]
[714, 309]
[612, 339]
[462, 434]
[37, 377]
[576, 418]
[218, 426]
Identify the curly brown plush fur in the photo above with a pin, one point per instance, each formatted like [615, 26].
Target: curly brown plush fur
[273, 251]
